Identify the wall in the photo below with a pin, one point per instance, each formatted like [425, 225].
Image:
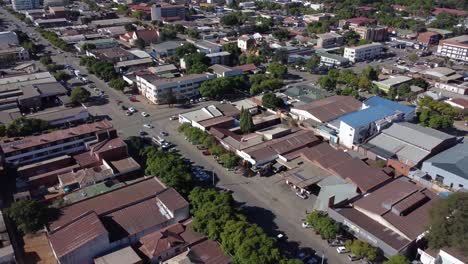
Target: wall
[450, 179]
[86, 253]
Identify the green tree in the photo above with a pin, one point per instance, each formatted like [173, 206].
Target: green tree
[62, 76]
[220, 86]
[23, 126]
[370, 73]
[138, 14]
[136, 147]
[122, 9]
[327, 83]
[217, 150]
[280, 56]
[192, 33]
[397, 259]
[281, 34]
[171, 169]
[196, 63]
[46, 60]
[88, 46]
[140, 43]
[181, 51]
[28, 215]
[313, 62]
[130, 27]
[79, 95]
[230, 160]
[2, 130]
[413, 57]
[118, 84]
[231, 20]
[246, 122]
[277, 70]
[270, 100]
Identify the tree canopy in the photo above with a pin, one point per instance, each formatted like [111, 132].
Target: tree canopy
[181, 51]
[246, 122]
[196, 62]
[277, 70]
[28, 215]
[118, 84]
[397, 259]
[221, 86]
[170, 168]
[23, 126]
[270, 100]
[448, 224]
[79, 95]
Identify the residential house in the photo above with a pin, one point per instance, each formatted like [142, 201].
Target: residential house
[114, 220]
[225, 71]
[393, 217]
[406, 145]
[149, 36]
[449, 167]
[245, 43]
[112, 55]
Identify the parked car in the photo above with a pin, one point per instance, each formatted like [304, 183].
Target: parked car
[131, 109]
[133, 99]
[336, 243]
[353, 257]
[301, 195]
[312, 260]
[306, 225]
[142, 133]
[148, 126]
[173, 118]
[124, 107]
[163, 134]
[206, 152]
[342, 250]
[144, 114]
[128, 113]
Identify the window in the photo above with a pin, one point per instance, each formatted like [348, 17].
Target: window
[439, 178]
[460, 185]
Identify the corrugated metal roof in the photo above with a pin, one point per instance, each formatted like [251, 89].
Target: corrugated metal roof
[366, 116]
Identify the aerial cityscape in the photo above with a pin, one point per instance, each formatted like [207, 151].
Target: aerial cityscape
[234, 131]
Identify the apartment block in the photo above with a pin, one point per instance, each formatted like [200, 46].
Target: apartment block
[156, 89]
[364, 52]
[25, 4]
[166, 12]
[372, 33]
[329, 40]
[21, 151]
[454, 48]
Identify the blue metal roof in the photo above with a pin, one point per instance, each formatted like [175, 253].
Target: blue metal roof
[366, 116]
[394, 106]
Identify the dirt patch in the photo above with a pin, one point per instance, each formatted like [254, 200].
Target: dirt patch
[37, 249]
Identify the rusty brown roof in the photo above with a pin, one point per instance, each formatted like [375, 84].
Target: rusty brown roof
[10, 145]
[402, 204]
[209, 252]
[110, 201]
[332, 107]
[78, 232]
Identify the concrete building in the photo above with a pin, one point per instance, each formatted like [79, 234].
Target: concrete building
[329, 40]
[19, 5]
[327, 109]
[167, 12]
[392, 83]
[156, 89]
[443, 256]
[377, 113]
[364, 52]
[8, 38]
[225, 71]
[429, 38]
[376, 34]
[355, 22]
[56, 143]
[222, 58]
[332, 60]
[454, 48]
[453, 87]
[245, 42]
[450, 167]
[10, 54]
[406, 145]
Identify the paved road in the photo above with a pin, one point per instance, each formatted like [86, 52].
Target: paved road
[268, 201]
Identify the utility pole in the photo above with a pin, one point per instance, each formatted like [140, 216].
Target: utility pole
[212, 176]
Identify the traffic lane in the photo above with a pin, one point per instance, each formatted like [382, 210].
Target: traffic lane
[282, 210]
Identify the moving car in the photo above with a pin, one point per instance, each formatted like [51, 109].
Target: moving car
[148, 126]
[342, 250]
[144, 114]
[301, 195]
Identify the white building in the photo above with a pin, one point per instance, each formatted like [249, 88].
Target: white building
[156, 89]
[364, 52]
[453, 87]
[316, 6]
[24, 4]
[454, 48]
[332, 60]
[245, 42]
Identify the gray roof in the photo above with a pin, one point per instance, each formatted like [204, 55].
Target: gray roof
[411, 143]
[167, 45]
[334, 186]
[454, 160]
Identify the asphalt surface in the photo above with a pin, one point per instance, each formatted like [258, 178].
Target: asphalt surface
[268, 202]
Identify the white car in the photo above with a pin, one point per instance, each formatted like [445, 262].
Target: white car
[306, 225]
[131, 110]
[173, 118]
[341, 250]
[301, 195]
[144, 114]
[148, 126]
